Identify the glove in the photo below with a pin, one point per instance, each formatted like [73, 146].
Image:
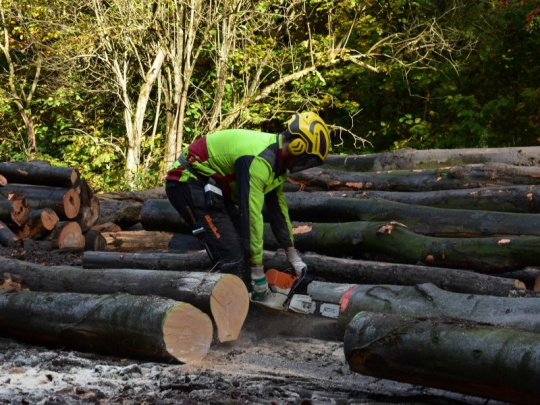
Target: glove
[259, 283]
[295, 261]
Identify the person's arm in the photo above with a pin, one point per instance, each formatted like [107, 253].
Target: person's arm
[278, 215]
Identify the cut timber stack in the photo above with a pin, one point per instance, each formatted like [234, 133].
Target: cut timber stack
[52, 205]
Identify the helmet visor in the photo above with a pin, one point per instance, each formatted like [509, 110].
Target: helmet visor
[305, 162]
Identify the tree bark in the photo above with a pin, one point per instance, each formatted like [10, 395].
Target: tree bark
[518, 199]
[119, 324]
[8, 237]
[530, 276]
[418, 218]
[39, 224]
[14, 210]
[160, 215]
[395, 243]
[140, 196]
[106, 227]
[457, 177]
[123, 213]
[223, 296]
[129, 241]
[89, 207]
[64, 201]
[405, 159]
[28, 173]
[94, 240]
[472, 358]
[427, 300]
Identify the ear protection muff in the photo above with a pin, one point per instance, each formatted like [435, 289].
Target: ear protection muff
[297, 146]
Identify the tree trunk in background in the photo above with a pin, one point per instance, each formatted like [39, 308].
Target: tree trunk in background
[223, 296]
[418, 218]
[395, 243]
[120, 324]
[472, 358]
[433, 158]
[458, 177]
[427, 300]
[519, 199]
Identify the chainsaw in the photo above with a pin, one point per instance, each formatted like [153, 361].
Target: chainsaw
[289, 291]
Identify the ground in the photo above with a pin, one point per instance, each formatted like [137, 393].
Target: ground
[277, 360]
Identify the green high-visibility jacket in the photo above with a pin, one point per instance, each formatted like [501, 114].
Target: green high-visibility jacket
[248, 166]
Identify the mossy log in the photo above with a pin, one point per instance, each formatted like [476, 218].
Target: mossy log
[519, 199]
[29, 173]
[64, 201]
[433, 158]
[119, 324]
[393, 242]
[14, 210]
[418, 218]
[427, 300]
[160, 215]
[471, 358]
[222, 296]
[8, 237]
[457, 177]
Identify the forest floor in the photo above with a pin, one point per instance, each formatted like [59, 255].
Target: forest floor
[278, 359]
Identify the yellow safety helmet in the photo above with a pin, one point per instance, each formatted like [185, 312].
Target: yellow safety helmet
[309, 138]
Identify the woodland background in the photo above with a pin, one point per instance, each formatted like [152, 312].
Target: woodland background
[115, 88]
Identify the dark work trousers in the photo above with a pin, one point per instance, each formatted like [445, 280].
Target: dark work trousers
[221, 235]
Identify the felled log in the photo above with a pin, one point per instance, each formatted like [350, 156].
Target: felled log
[418, 218]
[28, 173]
[89, 207]
[66, 235]
[107, 227]
[8, 237]
[223, 296]
[119, 324]
[39, 223]
[3, 181]
[530, 276]
[471, 358]
[519, 199]
[122, 213]
[129, 241]
[14, 210]
[393, 242]
[457, 177]
[195, 261]
[64, 201]
[433, 158]
[94, 240]
[427, 300]
[140, 196]
[160, 215]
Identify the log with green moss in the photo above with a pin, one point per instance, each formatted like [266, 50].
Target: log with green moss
[519, 199]
[429, 300]
[457, 177]
[433, 158]
[471, 358]
[420, 219]
[119, 324]
[222, 296]
[393, 242]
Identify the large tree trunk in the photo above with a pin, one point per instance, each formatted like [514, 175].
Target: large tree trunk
[433, 158]
[500, 364]
[328, 268]
[119, 324]
[160, 215]
[14, 210]
[223, 296]
[519, 199]
[395, 243]
[427, 300]
[458, 177]
[64, 201]
[28, 173]
[418, 218]
[132, 241]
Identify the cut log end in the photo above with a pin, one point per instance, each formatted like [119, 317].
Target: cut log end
[229, 305]
[3, 181]
[70, 236]
[49, 219]
[187, 333]
[72, 203]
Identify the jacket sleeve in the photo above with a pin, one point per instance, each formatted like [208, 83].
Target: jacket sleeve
[278, 215]
[252, 174]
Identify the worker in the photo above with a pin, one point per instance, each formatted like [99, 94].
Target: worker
[221, 182]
